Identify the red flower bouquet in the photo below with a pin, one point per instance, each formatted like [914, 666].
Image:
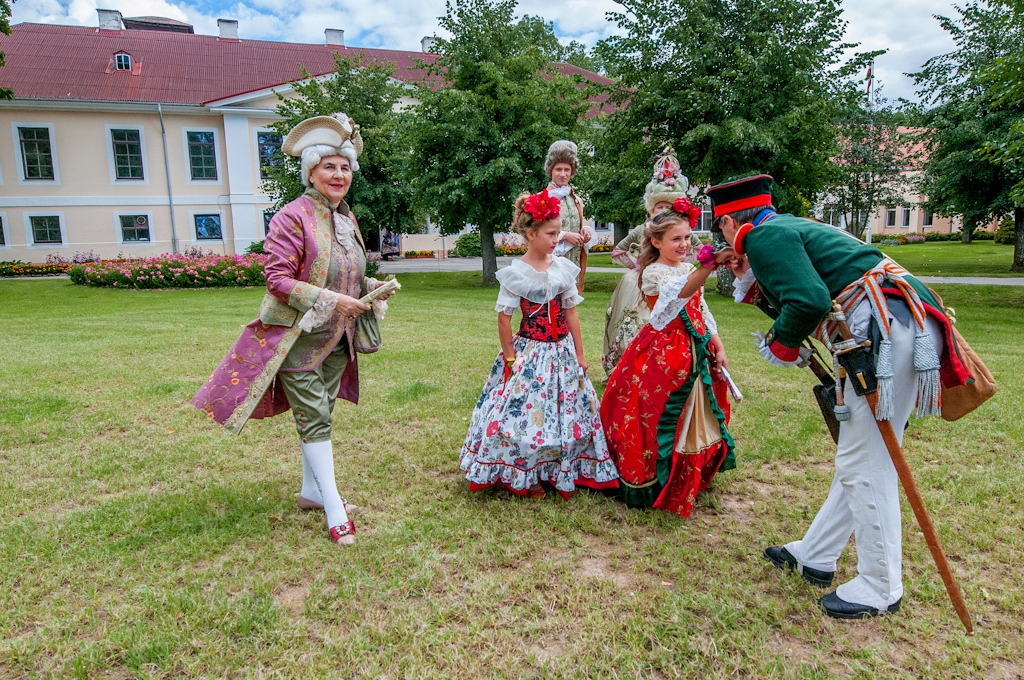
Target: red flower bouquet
[542, 207]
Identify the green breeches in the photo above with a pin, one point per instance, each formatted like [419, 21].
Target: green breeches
[311, 394]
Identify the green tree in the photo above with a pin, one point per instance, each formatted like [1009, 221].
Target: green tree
[873, 152]
[5, 28]
[479, 139]
[964, 121]
[368, 93]
[1005, 80]
[736, 87]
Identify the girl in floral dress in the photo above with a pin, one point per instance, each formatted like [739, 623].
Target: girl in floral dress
[537, 419]
[665, 409]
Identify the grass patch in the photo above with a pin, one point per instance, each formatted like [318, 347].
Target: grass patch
[952, 258]
[137, 539]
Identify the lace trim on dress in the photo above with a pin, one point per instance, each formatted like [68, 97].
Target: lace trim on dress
[520, 280]
[666, 282]
[742, 285]
[321, 311]
[345, 232]
[669, 304]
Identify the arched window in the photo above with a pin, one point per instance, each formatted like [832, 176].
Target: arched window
[123, 62]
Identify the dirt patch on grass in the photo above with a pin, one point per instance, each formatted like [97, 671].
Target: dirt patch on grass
[547, 651]
[738, 508]
[291, 598]
[1004, 670]
[791, 647]
[596, 564]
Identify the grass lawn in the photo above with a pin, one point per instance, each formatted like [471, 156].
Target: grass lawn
[139, 539]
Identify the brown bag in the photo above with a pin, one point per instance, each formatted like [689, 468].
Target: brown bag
[959, 401]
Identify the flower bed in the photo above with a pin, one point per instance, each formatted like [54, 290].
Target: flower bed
[603, 245]
[173, 271]
[414, 254]
[19, 268]
[509, 250]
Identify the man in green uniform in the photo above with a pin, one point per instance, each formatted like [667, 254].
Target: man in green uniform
[793, 269]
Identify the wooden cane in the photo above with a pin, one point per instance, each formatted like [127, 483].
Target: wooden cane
[931, 537]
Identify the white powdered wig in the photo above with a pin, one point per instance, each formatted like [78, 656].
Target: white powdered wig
[312, 155]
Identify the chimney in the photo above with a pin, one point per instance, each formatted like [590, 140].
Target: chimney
[427, 43]
[228, 29]
[335, 36]
[110, 19]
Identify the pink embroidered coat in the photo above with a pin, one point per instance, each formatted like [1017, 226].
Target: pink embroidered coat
[244, 385]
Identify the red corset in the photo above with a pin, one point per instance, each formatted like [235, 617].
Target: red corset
[543, 322]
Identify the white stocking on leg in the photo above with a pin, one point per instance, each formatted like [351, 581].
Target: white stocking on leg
[310, 491]
[320, 457]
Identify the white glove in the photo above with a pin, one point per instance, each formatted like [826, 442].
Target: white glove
[805, 357]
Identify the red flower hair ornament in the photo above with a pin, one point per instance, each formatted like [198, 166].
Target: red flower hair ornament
[684, 206]
[542, 207]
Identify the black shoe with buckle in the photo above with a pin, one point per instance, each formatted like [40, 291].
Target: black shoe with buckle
[838, 608]
[783, 559]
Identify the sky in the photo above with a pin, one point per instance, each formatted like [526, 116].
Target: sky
[906, 28]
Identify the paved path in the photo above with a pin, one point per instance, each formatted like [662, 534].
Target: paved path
[475, 264]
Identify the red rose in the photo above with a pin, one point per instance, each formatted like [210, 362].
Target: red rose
[492, 428]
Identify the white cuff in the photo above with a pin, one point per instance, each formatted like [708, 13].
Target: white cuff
[742, 285]
[771, 358]
[562, 248]
[669, 303]
[569, 303]
[320, 312]
[380, 308]
[505, 309]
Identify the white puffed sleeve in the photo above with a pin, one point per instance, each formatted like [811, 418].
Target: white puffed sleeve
[709, 319]
[571, 296]
[508, 302]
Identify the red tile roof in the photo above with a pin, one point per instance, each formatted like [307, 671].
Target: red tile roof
[46, 61]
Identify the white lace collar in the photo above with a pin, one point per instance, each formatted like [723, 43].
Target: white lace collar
[524, 281]
[560, 192]
[345, 232]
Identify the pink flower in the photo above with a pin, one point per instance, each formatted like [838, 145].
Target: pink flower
[670, 181]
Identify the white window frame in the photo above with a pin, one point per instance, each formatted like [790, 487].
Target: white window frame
[119, 235]
[256, 150]
[886, 224]
[30, 237]
[110, 155]
[192, 226]
[216, 157]
[131, 64]
[19, 161]
[905, 218]
[5, 228]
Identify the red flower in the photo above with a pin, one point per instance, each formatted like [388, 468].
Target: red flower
[684, 206]
[576, 431]
[492, 428]
[542, 207]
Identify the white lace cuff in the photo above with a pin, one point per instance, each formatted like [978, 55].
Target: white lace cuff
[571, 299]
[380, 309]
[669, 303]
[320, 312]
[562, 248]
[766, 352]
[742, 285]
[505, 309]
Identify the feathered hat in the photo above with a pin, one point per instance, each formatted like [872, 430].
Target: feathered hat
[562, 151]
[667, 183]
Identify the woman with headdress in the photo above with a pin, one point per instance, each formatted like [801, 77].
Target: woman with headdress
[561, 165]
[300, 354]
[628, 310]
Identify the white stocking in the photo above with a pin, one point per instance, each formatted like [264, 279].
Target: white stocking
[310, 491]
[320, 458]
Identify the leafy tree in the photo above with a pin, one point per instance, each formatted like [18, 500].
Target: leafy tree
[959, 177]
[542, 34]
[736, 87]
[873, 152]
[480, 139]
[1005, 79]
[368, 93]
[5, 28]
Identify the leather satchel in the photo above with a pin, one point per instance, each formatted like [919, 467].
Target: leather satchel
[959, 401]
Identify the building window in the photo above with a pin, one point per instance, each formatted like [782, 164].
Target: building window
[890, 217]
[36, 154]
[270, 152]
[202, 155]
[127, 154]
[927, 219]
[134, 228]
[267, 216]
[46, 229]
[123, 62]
[906, 217]
[208, 228]
[3, 238]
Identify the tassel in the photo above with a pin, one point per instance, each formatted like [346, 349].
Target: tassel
[926, 362]
[842, 412]
[884, 373]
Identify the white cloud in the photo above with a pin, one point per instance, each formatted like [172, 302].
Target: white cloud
[904, 27]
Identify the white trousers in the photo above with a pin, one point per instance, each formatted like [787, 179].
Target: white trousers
[864, 498]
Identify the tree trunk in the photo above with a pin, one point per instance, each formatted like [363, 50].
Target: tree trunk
[1018, 241]
[487, 252]
[725, 281]
[965, 235]
[621, 232]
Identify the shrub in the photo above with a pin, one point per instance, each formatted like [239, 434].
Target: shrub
[934, 236]
[915, 238]
[889, 242]
[510, 250]
[467, 245]
[983, 236]
[603, 245]
[174, 271]
[372, 264]
[19, 268]
[255, 248]
[419, 253]
[1007, 233]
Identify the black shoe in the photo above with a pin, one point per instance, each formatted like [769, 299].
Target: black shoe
[841, 609]
[783, 559]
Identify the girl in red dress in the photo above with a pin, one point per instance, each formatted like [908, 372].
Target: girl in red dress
[665, 410]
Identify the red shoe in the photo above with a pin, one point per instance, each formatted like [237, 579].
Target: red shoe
[339, 533]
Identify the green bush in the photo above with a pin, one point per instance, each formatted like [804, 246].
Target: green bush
[255, 248]
[468, 245]
[983, 236]
[1007, 233]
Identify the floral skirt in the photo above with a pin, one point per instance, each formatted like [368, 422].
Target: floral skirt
[543, 425]
[665, 412]
[627, 314]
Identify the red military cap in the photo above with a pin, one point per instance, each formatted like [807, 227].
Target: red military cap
[741, 194]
